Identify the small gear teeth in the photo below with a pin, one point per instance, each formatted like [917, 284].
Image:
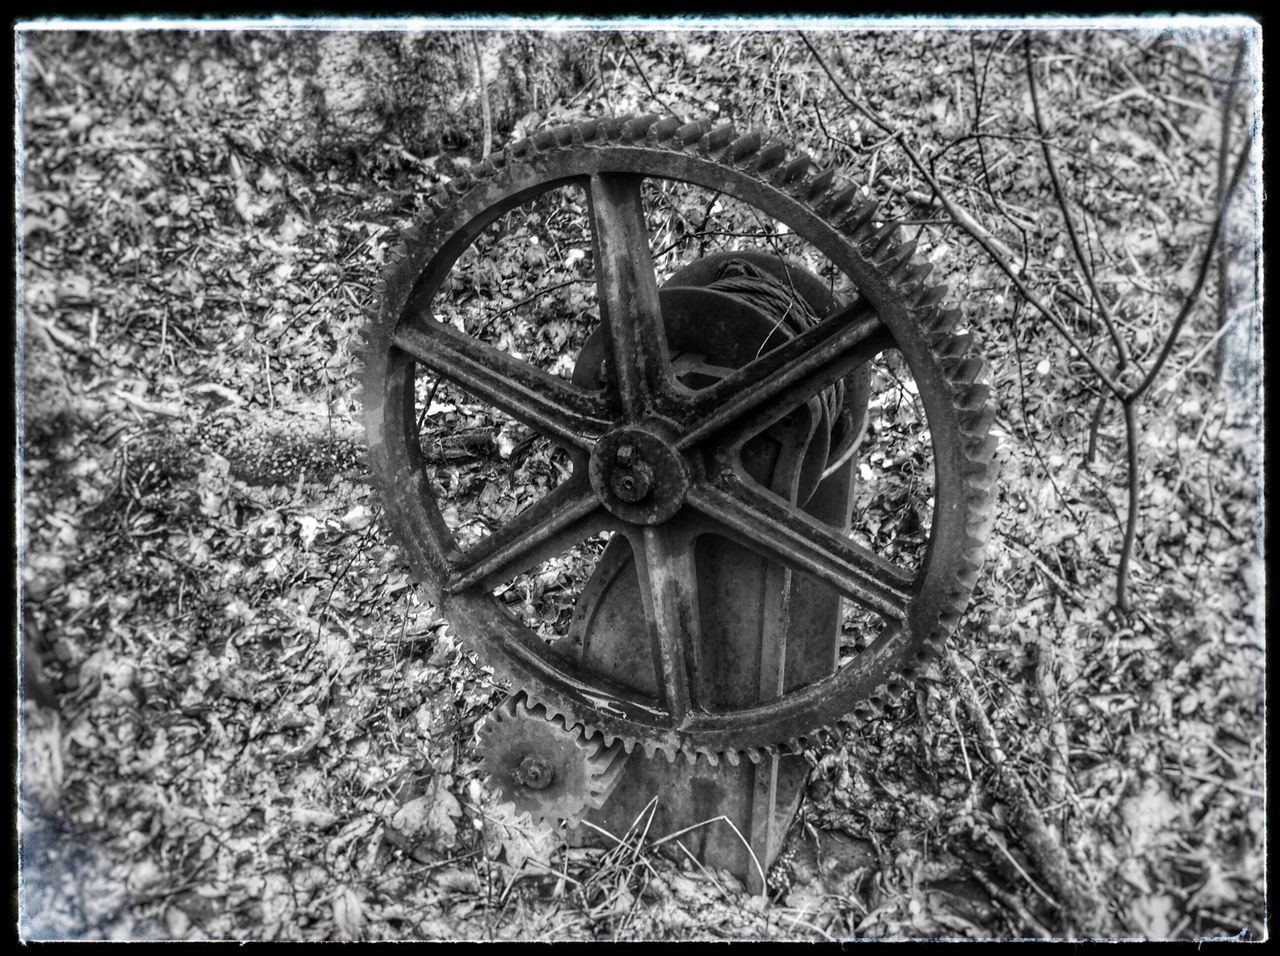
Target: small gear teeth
[544, 767]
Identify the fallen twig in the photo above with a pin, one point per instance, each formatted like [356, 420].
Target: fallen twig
[1082, 910]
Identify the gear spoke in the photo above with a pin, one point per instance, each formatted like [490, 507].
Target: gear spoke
[749, 400]
[628, 293]
[548, 527]
[540, 400]
[669, 592]
[766, 524]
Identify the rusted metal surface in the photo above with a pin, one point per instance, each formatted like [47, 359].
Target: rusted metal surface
[663, 465]
[743, 641]
[543, 767]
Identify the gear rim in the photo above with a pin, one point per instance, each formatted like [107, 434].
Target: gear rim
[884, 272]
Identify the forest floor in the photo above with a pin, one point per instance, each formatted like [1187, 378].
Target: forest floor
[261, 728]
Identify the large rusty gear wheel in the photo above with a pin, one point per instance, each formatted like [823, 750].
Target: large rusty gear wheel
[544, 768]
[691, 437]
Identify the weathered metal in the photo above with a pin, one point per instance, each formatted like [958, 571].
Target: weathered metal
[633, 392]
[544, 768]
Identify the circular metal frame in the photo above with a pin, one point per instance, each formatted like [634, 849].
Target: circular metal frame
[894, 309]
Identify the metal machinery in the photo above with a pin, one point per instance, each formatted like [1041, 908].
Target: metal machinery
[713, 426]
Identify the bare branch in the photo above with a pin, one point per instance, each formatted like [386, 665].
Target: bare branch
[1193, 296]
[1104, 308]
[967, 223]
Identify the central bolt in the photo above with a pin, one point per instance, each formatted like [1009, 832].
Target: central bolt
[632, 478]
[534, 772]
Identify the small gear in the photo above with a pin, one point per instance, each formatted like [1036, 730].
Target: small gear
[545, 768]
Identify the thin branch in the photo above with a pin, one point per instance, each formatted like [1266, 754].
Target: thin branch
[1104, 308]
[645, 79]
[1131, 519]
[1224, 152]
[1193, 296]
[969, 225]
[486, 117]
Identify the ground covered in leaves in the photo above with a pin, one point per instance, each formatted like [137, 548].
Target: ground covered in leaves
[260, 729]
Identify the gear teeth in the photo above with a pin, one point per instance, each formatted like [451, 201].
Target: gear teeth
[770, 157]
[977, 422]
[917, 273]
[837, 202]
[637, 128]
[963, 370]
[943, 321]
[690, 133]
[860, 217]
[974, 397]
[928, 299]
[788, 173]
[819, 185]
[743, 147]
[614, 127]
[663, 130]
[901, 261]
[981, 448]
[954, 346]
[717, 139]
[879, 242]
